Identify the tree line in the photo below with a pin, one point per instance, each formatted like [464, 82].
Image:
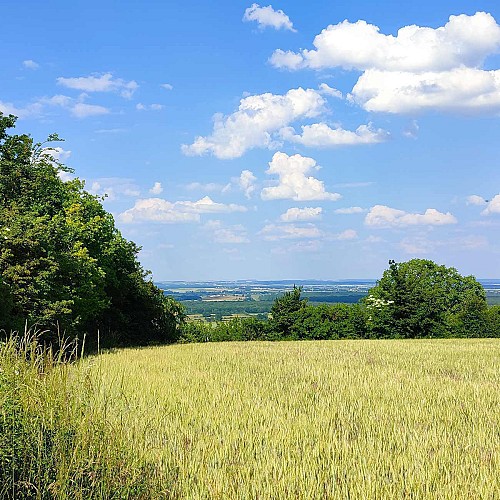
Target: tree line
[64, 266]
[66, 269]
[414, 299]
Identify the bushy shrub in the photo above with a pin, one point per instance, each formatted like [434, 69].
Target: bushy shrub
[493, 321]
[234, 329]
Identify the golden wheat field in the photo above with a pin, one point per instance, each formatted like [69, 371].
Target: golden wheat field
[328, 419]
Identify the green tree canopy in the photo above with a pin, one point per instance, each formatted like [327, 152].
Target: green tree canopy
[63, 263]
[420, 298]
[284, 311]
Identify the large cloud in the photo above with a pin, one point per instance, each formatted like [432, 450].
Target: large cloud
[419, 69]
[383, 216]
[293, 181]
[466, 90]
[463, 41]
[258, 117]
[160, 210]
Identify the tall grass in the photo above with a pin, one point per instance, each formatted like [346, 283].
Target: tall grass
[55, 438]
[310, 420]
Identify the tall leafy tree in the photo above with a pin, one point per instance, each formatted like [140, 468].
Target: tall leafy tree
[420, 298]
[63, 263]
[284, 311]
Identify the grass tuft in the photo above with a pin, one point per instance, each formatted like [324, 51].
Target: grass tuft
[55, 438]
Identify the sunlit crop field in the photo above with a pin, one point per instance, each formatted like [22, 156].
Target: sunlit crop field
[331, 419]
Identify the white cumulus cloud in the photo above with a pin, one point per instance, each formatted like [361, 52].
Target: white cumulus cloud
[464, 90]
[57, 153]
[301, 214]
[156, 210]
[207, 205]
[493, 206]
[463, 41]
[246, 182]
[321, 135]
[475, 199]
[157, 188]
[160, 210]
[384, 216]
[419, 69]
[293, 181]
[255, 122]
[268, 17]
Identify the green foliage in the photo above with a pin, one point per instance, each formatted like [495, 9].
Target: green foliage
[284, 311]
[63, 264]
[235, 329]
[218, 309]
[420, 298]
[412, 300]
[337, 321]
[493, 321]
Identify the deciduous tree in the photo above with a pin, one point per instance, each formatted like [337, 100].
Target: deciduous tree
[420, 298]
[63, 263]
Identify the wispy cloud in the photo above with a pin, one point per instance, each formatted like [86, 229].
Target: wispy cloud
[30, 64]
[100, 83]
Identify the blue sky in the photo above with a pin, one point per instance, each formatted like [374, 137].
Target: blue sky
[293, 140]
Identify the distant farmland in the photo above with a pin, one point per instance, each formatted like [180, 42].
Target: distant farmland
[215, 300]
